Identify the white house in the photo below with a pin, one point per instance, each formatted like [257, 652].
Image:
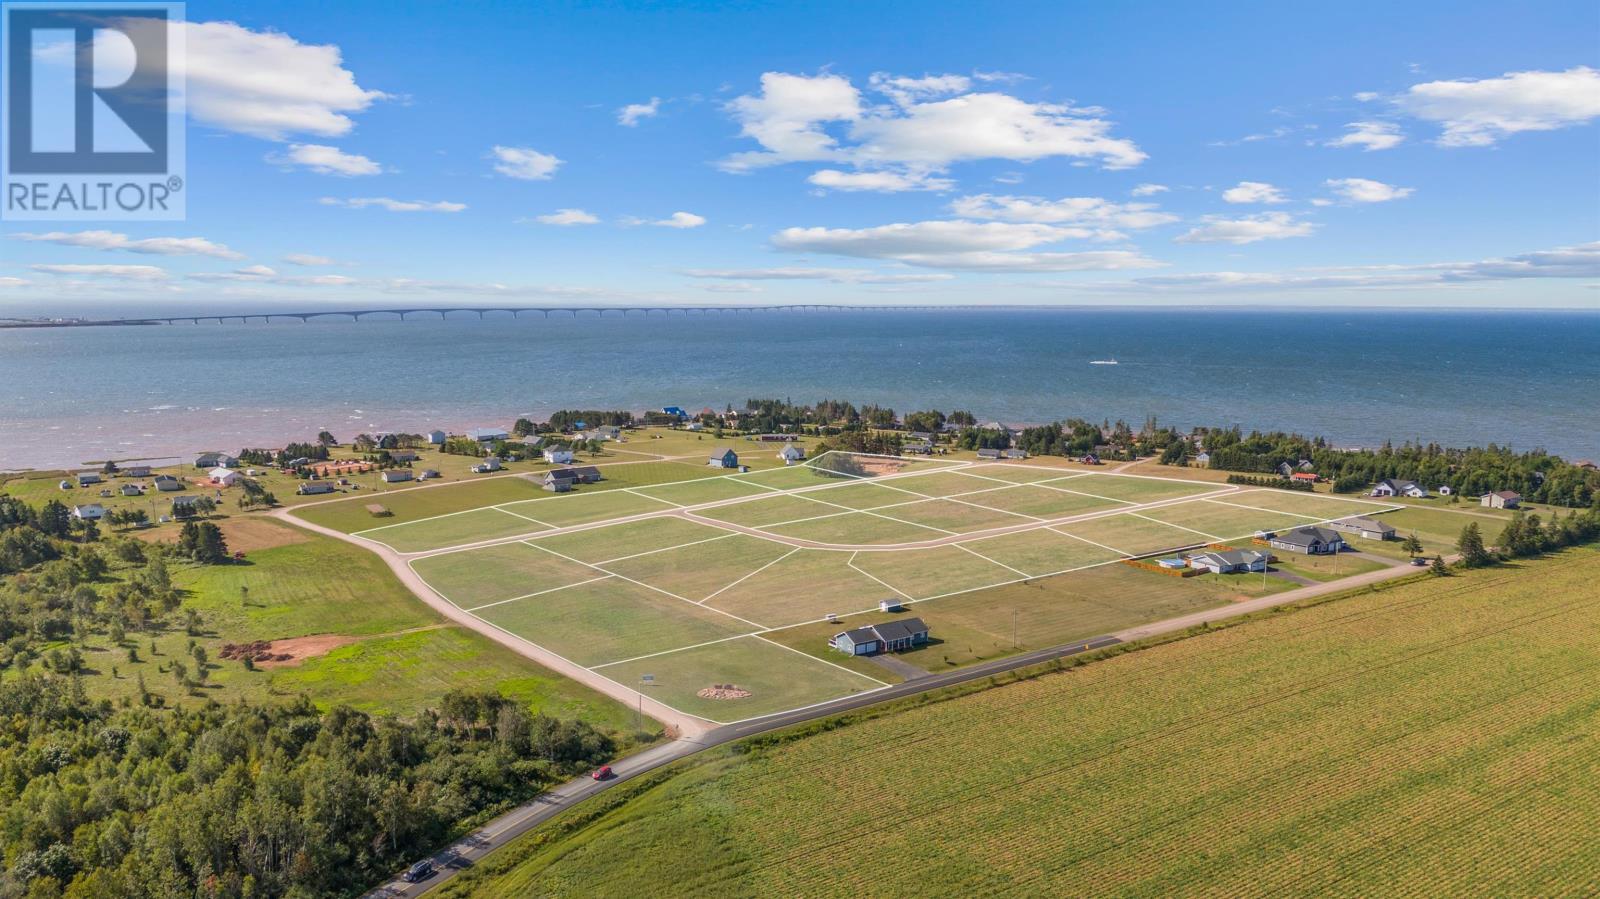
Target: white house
[1229, 561]
[1396, 487]
[223, 477]
[558, 455]
[490, 464]
[436, 437]
[791, 454]
[89, 512]
[396, 475]
[1501, 499]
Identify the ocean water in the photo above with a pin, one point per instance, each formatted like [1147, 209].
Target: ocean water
[1525, 379]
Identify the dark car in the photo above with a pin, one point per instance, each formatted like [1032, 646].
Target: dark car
[603, 773]
[419, 871]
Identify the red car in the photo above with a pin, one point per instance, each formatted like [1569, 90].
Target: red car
[602, 773]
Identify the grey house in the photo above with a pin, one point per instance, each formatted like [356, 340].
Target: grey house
[1310, 541]
[1396, 487]
[723, 457]
[314, 488]
[890, 636]
[1370, 528]
[396, 475]
[1229, 561]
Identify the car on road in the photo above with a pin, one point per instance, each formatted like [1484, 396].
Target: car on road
[603, 773]
[418, 872]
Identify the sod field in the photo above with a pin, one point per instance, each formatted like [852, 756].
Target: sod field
[1436, 737]
[684, 588]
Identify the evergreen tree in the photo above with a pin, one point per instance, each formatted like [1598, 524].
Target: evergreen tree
[1470, 545]
[1412, 545]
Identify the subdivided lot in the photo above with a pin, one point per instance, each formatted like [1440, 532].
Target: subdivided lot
[1438, 529]
[1021, 474]
[1435, 738]
[475, 577]
[704, 490]
[1134, 489]
[1311, 505]
[769, 510]
[954, 517]
[1040, 502]
[861, 495]
[1223, 522]
[609, 620]
[351, 515]
[1040, 552]
[921, 573]
[776, 677]
[620, 541]
[857, 529]
[1131, 534]
[704, 570]
[452, 530]
[804, 585]
[585, 507]
[942, 483]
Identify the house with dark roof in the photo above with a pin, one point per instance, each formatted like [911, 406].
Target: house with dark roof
[136, 471]
[132, 490]
[1229, 561]
[990, 454]
[723, 457]
[404, 455]
[890, 636]
[87, 478]
[1396, 487]
[215, 460]
[1015, 453]
[166, 483]
[1370, 528]
[1501, 499]
[1311, 541]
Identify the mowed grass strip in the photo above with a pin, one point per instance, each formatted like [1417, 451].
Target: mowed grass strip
[1019, 474]
[950, 515]
[856, 529]
[696, 572]
[1040, 551]
[629, 538]
[476, 576]
[609, 620]
[351, 515]
[769, 510]
[453, 530]
[860, 495]
[584, 507]
[1131, 534]
[1040, 502]
[706, 490]
[1300, 503]
[1436, 738]
[794, 477]
[1135, 489]
[777, 678]
[805, 585]
[1224, 521]
[921, 573]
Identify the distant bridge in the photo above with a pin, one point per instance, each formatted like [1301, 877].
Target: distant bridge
[444, 312]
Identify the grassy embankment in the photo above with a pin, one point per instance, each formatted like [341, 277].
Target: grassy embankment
[1439, 736]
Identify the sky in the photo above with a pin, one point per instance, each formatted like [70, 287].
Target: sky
[406, 154]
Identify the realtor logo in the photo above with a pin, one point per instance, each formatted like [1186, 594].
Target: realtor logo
[93, 112]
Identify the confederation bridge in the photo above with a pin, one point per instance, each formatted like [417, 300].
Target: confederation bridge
[445, 312]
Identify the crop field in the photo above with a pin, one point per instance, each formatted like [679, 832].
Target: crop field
[1439, 737]
[677, 574]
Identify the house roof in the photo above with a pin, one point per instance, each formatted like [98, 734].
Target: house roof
[1367, 524]
[859, 635]
[1506, 494]
[1306, 536]
[1232, 557]
[722, 452]
[900, 629]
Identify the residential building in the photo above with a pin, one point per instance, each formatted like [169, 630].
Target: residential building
[314, 488]
[89, 512]
[1501, 499]
[1202, 459]
[558, 455]
[1370, 528]
[1396, 487]
[87, 478]
[184, 506]
[404, 455]
[555, 484]
[216, 460]
[583, 474]
[1015, 454]
[223, 477]
[1303, 477]
[436, 437]
[990, 454]
[428, 474]
[166, 483]
[1312, 541]
[396, 475]
[1230, 561]
[674, 411]
[136, 471]
[1445, 490]
[791, 454]
[132, 490]
[890, 636]
[490, 464]
[487, 435]
[723, 457]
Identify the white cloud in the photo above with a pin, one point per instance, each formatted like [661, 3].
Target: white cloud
[267, 84]
[630, 115]
[680, 220]
[116, 272]
[309, 259]
[1149, 190]
[836, 275]
[567, 217]
[929, 124]
[738, 287]
[1067, 210]
[1369, 136]
[1477, 113]
[325, 160]
[1363, 190]
[248, 273]
[10, 281]
[111, 240]
[1266, 226]
[1254, 192]
[962, 245]
[393, 205]
[880, 181]
[524, 163]
[1367, 96]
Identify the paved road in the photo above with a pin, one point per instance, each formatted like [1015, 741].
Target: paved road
[465, 852]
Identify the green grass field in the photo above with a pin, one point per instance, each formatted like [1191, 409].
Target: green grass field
[1309, 504]
[954, 517]
[804, 585]
[453, 529]
[1040, 502]
[777, 678]
[705, 490]
[921, 573]
[1131, 534]
[494, 573]
[701, 571]
[1040, 552]
[1434, 738]
[631, 538]
[858, 529]
[1226, 522]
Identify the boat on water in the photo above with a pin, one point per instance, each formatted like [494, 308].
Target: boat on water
[1102, 362]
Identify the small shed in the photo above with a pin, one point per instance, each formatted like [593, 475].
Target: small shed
[378, 510]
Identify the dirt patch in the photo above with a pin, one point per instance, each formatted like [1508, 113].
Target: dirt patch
[724, 691]
[282, 653]
[879, 467]
[245, 534]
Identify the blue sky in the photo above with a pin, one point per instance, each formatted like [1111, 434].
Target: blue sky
[1363, 154]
